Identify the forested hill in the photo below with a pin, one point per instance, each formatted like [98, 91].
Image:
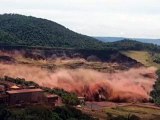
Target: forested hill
[30, 31]
[128, 44]
[143, 40]
[18, 30]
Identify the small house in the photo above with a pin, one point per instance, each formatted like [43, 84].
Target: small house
[25, 96]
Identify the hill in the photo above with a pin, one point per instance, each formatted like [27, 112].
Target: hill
[18, 30]
[144, 57]
[109, 39]
[128, 44]
[30, 31]
[115, 39]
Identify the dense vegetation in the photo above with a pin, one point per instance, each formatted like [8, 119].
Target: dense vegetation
[26, 31]
[156, 91]
[127, 44]
[67, 97]
[30, 31]
[156, 57]
[42, 113]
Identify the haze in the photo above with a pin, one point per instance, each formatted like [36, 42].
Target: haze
[118, 18]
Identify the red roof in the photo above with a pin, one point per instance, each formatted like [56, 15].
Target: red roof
[24, 91]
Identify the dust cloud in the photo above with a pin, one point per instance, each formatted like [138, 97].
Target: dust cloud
[133, 85]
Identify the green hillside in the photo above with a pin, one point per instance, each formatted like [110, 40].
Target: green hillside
[30, 31]
[143, 57]
[19, 30]
[128, 44]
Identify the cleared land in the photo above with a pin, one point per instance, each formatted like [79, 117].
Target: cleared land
[143, 57]
[71, 64]
[142, 112]
[118, 62]
[103, 112]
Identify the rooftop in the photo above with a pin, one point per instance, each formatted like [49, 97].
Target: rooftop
[50, 95]
[24, 91]
[14, 87]
[81, 97]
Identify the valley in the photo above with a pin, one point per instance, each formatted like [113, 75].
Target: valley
[66, 75]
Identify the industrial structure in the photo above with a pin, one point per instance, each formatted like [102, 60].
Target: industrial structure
[11, 94]
[25, 96]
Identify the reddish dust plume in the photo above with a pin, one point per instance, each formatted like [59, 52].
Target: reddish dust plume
[133, 85]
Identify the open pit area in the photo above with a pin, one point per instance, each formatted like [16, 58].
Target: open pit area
[122, 83]
[99, 60]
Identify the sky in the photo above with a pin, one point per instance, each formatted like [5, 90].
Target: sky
[117, 18]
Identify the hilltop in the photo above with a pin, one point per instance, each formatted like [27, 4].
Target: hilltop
[27, 31]
[19, 30]
[143, 40]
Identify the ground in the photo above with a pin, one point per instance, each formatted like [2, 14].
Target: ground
[58, 62]
[143, 57]
[71, 64]
[101, 110]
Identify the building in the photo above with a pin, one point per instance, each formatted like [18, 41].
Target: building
[3, 99]
[2, 88]
[15, 87]
[52, 99]
[81, 100]
[25, 96]
[12, 94]
[32, 87]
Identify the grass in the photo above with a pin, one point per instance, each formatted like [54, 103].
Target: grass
[143, 57]
[116, 111]
[145, 113]
[142, 112]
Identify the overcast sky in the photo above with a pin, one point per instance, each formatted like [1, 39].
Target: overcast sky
[127, 18]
